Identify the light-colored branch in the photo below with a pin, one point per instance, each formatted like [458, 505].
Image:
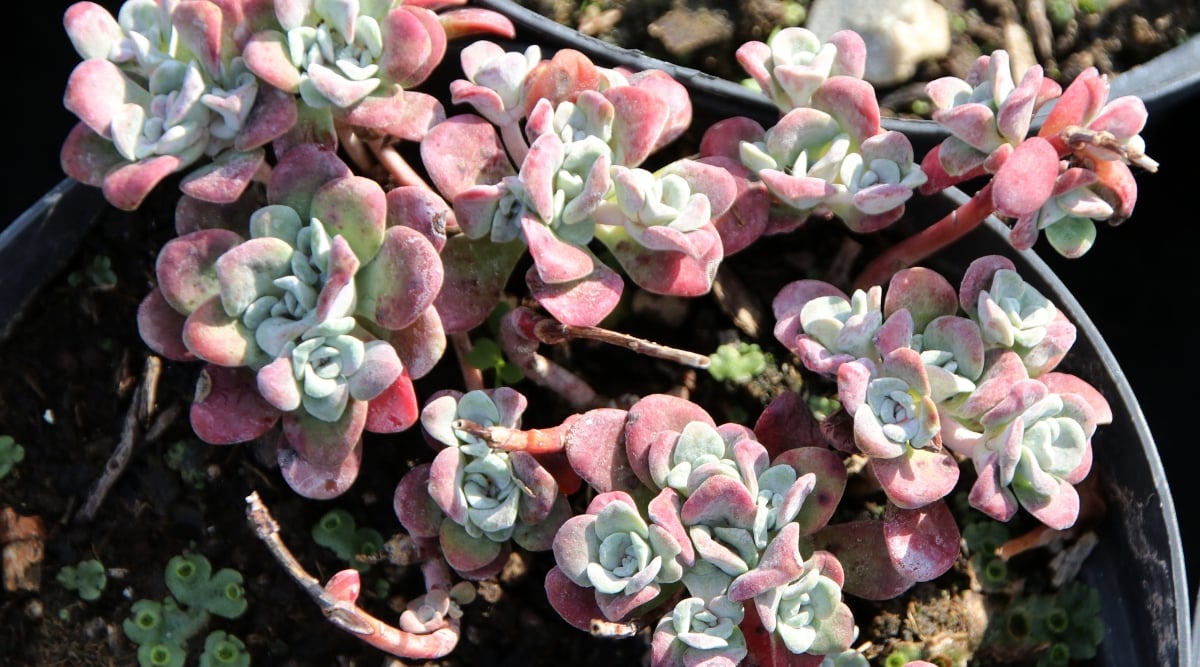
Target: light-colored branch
[343, 612]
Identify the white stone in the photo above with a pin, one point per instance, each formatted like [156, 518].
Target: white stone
[899, 33]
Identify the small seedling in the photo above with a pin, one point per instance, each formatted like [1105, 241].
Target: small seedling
[737, 362]
[224, 650]
[162, 629]
[87, 578]
[99, 273]
[11, 453]
[337, 531]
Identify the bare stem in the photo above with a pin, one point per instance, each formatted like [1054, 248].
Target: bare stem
[514, 141]
[343, 612]
[908, 252]
[534, 441]
[520, 344]
[737, 302]
[472, 377]
[550, 331]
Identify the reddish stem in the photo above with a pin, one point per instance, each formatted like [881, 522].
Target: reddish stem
[535, 440]
[337, 599]
[957, 224]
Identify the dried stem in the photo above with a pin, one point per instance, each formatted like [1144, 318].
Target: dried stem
[141, 408]
[552, 332]
[344, 613]
[908, 252]
[737, 302]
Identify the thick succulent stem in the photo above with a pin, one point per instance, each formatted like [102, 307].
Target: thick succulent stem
[534, 441]
[520, 343]
[472, 377]
[514, 142]
[341, 609]
[914, 249]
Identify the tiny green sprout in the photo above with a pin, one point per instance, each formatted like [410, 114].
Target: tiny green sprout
[226, 597]
[1058, 655]
[1060, 12]
[145, 624]
[902, 654]
[161, 655]
[486, 355]
[922, 108]
[87, 578]
[984, 537]
[336, 530]
[224, 650]
[822, 406]
[187, 458]
[1018, 624]
[187, 578]
[1086, 629]
[991, 571]
[737, 362]
[11, 453]
[99, 273]
[1057, 620]
[794, 13]
[1093, 6]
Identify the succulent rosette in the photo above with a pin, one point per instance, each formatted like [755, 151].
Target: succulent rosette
[660, 225]
[538, 190]
[162, 87]
[314, 307]
[1012, 314]
[700, 631]
[800, 601]
[625, 560]
[828, 157]
[987, 115]
[922, 313]
[794, 62]
[357, 61]
[482, 498]
[896, 425]
[1030, 441]
[824, 327]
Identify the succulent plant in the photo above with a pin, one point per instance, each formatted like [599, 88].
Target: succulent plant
[474, 498]
[317, 275]
[305, 320]
[357, 63]
[163, 88]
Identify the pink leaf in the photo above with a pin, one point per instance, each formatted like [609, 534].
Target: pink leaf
[228, 408]
[1026, 180]
[318, 482]
[326, 444]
